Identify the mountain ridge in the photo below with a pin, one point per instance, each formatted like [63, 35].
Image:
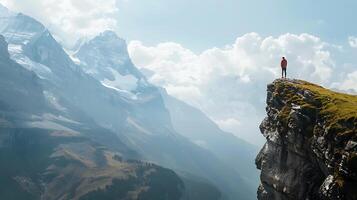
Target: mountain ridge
[178, 138]
[132, 122]
[65, 159]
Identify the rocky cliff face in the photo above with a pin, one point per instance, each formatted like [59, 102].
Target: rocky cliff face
[311, 148]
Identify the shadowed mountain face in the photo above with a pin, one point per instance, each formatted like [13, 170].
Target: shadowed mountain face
[106, 58]
[18, 84]
[100, 111]
[172, 150]
[44, 155]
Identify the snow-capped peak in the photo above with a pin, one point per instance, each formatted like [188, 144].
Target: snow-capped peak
[32, 46]
[106, 58]
[20, 28]
[109, 41]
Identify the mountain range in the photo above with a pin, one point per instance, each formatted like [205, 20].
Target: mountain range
[88, 125]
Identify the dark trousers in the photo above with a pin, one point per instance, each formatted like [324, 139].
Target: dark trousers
[283, 72]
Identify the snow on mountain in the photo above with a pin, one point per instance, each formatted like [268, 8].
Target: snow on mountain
[121, 92]
[47, 155]
[106, 58]
[19, 30]
[16, 84]
[98, 91]
[121, 82]
[16, 52]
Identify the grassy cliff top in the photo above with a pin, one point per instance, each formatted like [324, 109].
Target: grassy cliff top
[337, 110]
[333, 116]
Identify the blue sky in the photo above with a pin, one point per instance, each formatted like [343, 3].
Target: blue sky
[196, 24]
[199, 25]
[218, 55]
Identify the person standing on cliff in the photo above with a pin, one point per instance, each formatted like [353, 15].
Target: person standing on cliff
[284, 65]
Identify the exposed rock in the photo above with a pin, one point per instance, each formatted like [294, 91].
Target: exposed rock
[311, 149]
[83, 162]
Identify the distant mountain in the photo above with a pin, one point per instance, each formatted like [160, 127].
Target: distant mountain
[107, 53]
[21, 92]
[201, 130]
[105, 57]
[104, 105]
[44, 155]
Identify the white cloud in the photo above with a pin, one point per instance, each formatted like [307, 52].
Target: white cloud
[229, 83]
[69, 19]
[352, 41]
[226, 83]
[349, 83]
[229, 124]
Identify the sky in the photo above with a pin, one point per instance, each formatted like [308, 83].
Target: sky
[218, 55]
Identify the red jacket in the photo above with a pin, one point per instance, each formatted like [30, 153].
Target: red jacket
[284, 64]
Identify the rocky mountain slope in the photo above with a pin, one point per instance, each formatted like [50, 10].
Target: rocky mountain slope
[106, 59]
[45, 155]
[311, 148]
[99, 94]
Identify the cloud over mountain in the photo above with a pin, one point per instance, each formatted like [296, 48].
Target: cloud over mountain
[70, 19]
[229, 83]
[352, 41]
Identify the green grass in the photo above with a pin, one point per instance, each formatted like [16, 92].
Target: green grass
[337, 110]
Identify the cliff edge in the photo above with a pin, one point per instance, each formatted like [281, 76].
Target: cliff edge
[311, 148]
